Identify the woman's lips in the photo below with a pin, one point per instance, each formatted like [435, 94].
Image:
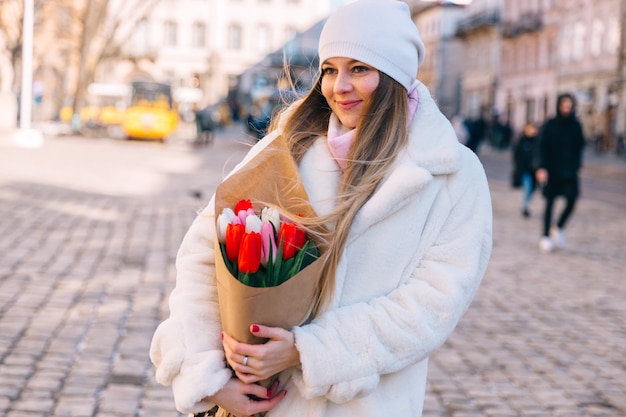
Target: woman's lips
[348, 104]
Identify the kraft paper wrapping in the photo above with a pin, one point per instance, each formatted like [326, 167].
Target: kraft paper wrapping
[271, 177]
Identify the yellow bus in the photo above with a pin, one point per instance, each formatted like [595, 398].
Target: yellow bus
[151, 114]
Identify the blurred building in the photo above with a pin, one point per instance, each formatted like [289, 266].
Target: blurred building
[443, 67]
[528, 80]
[298, 57]
[555, 47]
[590, 63]
[207, 44]
[480, 31]
[55, 61]
[504, 58]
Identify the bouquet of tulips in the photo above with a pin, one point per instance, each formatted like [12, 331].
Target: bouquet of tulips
[262, 250]
[267, 268]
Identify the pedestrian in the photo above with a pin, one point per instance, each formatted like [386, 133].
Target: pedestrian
[524, 160]
[476, 128]
[560, 159]
[410, 216]
[204, 126]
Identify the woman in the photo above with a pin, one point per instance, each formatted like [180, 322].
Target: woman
[410, 214]
[524, 160]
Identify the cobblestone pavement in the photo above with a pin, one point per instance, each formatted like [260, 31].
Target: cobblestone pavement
[88, 235]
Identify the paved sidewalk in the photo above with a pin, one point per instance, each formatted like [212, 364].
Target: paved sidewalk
[85, 275]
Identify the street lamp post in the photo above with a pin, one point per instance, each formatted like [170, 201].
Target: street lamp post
[26, 136]
[621, 75]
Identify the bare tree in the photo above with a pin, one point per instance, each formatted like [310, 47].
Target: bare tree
[106, 25]
[11, 18]
[101, 28]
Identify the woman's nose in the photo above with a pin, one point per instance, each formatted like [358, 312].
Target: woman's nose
[343, 83]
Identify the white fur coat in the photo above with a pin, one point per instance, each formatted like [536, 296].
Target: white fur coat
[417, 252]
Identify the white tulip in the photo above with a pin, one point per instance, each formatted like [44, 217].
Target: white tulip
[253, 224]
[223, 220]
[270, 214]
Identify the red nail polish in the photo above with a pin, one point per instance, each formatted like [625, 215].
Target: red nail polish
[222, 334]
[255, 328]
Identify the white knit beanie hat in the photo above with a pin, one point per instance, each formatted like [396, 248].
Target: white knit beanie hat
[379, 33]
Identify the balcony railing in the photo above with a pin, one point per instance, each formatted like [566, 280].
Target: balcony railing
[527, 23]
[477, 21]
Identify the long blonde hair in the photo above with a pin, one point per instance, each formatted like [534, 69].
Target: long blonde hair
[380, 134]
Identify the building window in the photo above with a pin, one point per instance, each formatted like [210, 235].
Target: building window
[506, 61]
[198, 35]
[565, 44]
[578, 46]
[263, 39]
[234, 36]
[613, 35]
[139, 42]
[597, 33]
[170, 30]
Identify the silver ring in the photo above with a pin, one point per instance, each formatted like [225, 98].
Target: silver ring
[245, 360]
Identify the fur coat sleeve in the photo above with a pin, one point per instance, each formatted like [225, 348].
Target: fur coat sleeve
[187, 348]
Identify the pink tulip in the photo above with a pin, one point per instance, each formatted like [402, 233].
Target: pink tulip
[243, 215]
[268, 243]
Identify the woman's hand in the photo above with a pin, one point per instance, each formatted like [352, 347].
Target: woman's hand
[263, 361]
[235, 397]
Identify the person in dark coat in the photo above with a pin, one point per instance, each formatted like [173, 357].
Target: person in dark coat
[476, 129]
[205, 126]
[524, 165]
[560, 159]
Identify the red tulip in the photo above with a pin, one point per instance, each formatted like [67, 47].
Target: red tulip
[250, 253]
[292, 238]
[243, 205]
[234, 235]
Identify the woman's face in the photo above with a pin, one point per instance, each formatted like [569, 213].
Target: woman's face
[348, 86]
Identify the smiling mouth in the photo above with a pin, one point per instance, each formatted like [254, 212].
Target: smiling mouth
[349, 104]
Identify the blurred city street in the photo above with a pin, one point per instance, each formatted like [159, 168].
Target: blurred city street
[89, 229]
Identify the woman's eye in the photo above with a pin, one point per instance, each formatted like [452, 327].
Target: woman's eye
[328, 70]
[360, 68]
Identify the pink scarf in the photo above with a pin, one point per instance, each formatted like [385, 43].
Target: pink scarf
[340, 138]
